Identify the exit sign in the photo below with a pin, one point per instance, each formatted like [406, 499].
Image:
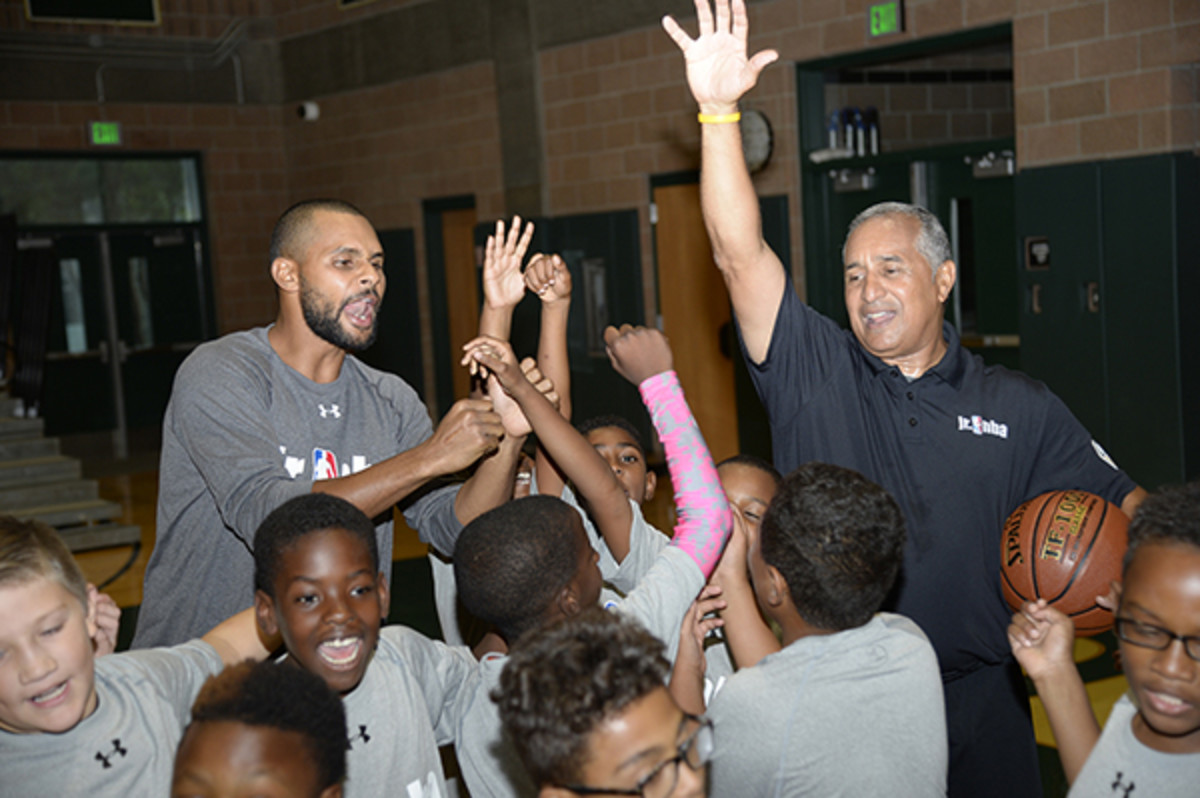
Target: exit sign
[884, 19]
[104, 134]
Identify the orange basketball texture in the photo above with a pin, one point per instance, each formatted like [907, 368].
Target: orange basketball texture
[1064, 546]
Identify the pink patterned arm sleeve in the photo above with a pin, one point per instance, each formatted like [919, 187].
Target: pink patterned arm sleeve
[704, 516]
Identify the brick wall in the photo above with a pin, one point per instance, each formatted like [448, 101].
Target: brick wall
[1091, 80]
[388, 149]
[244, 178]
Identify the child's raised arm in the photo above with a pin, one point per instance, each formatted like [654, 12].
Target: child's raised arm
[549, 278]
[1042, 640]
[587, 469]
[503, 284]
[750, 638]
[643, 356]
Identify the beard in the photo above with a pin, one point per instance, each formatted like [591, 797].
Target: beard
[324, 320]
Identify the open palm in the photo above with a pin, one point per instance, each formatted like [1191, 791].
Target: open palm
[718, 70]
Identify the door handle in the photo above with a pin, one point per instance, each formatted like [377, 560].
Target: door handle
[1035, 299]
[1091, 293]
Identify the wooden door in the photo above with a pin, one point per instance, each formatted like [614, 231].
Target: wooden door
[462, 293]
[696, 315]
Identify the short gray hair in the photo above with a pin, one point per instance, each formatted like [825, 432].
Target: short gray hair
[932, 241]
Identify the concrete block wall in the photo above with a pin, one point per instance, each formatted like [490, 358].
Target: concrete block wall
[245, 177]
[1093, 79]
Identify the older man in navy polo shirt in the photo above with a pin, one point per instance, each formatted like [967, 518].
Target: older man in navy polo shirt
[959, 444]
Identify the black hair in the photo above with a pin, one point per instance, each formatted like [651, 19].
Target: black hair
[620, 422]
[1170, 515]
[511, 562]
[292, 224]
[563, 680]
[838, 540]
[279, 697]
[297, 518]
[753, 461]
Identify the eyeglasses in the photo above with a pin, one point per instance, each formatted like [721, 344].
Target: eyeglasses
[696, 750]
[1147, 636]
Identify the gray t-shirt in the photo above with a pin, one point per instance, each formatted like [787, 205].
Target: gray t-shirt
[407, 704]
[855, 713]
[487, 758]
[126, 747]
[645, 542]
[1120, 765]
[243, 433]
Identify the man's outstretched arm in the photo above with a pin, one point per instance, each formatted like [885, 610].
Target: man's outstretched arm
[719, 74]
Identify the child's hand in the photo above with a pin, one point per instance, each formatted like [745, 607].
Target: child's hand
[1042, 639]
[511, 415]
[108, 621]
[549, 278]
[486, 355]
[697, 623]
[733, 566]
[503, 285]
[638, 353]
[1112, 599]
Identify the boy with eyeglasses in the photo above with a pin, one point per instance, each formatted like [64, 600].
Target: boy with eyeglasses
[585, 705]
[1151, 743]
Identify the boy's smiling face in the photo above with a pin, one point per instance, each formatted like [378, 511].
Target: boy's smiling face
[47, 681]
[1161, 588]
[328, 606]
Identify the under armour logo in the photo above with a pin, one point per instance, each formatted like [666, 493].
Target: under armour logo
[106, 759]
[1120, 786]
[362, 735]
[332, 410]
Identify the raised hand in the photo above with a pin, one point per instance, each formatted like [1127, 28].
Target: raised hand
[638, 353]
[485, 355]
[733, 567]
[511, 414]
[503, 284]
[1042, 639]
[549, 278]
[718, 71]
[470, 429]
[107, 619]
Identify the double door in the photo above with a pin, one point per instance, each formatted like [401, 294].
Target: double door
[125, 307]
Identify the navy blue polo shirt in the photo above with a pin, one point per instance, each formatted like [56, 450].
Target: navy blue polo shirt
[959, 448]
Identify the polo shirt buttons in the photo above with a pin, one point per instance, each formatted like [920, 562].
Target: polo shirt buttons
[910, 394]
[912, 422]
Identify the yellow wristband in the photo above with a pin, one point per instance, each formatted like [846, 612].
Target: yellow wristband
[719, 119]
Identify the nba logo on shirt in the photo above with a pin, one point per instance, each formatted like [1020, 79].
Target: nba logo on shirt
[324, 464]
[977, 425]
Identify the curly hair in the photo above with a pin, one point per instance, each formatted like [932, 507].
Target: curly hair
[279, 697]
[563, 680]
[297, 518]
[31, 549]
[292, 225]
[510, 562]
[1170, 515]
[838, 540]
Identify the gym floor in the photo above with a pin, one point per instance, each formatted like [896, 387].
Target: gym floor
[133, 483]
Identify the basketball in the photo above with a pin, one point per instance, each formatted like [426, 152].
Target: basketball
[1065, 547]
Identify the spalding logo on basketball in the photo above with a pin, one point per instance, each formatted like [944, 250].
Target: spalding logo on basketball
[1064, 546]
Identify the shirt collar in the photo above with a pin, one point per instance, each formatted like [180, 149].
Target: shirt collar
[949, 369]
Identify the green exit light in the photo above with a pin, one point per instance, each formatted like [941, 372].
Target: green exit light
[105, 134]
[884, 19]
